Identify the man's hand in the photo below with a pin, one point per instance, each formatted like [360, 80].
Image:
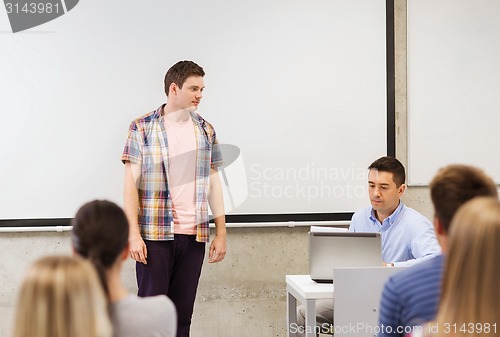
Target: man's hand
[217, 249]
[137, 247]
[215, 199]
[138, 250]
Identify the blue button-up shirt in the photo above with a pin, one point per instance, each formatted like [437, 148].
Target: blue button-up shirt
[407, 236]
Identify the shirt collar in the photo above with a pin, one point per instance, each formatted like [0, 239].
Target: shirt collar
[194, 115]
[159, 112]
[391, 218]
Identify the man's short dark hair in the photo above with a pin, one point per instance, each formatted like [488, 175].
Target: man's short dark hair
[391, 165]
[179, 72]
[454, 185]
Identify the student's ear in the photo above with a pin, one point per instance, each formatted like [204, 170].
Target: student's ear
[172, 89]
[440, 233]
[126, 252]
[438, 227]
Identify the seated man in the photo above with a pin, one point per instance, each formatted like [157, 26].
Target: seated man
[411, 297]
[407, 236]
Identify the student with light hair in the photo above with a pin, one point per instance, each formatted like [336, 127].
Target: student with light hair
[470, 302]
[61, 297]
[100, 234]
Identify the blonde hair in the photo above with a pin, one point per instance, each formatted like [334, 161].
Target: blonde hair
[470, 290]
[61, 297]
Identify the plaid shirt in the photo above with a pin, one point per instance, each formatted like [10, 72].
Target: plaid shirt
[147, 145]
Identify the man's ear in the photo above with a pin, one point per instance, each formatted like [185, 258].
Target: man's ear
[441, 234]
[438, 227]
[173, 88]
[402, 189]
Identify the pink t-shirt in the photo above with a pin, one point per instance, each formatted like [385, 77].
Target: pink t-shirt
[182, 174]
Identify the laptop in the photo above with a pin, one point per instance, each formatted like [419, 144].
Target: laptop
[328, 250]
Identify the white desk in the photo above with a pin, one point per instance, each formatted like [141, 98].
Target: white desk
[306, 291]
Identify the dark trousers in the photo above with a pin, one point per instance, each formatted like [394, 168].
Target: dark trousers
[173, 269]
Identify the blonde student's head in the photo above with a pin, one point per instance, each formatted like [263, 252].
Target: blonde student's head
[61, 297]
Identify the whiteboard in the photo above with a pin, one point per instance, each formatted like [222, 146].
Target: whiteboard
[298, 87]
[453, 86]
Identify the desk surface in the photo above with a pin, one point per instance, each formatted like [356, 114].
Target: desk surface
[307, 288]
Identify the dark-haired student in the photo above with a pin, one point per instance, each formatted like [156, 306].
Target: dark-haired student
[100, 234]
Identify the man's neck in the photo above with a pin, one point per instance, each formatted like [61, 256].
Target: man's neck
[382, 216]
[176, 115]
[443, 242]
[117, 290]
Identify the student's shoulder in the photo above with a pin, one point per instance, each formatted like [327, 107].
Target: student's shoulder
[152, 305]
[145, 119]
[430, 268]
[159, 302]
[144, 316]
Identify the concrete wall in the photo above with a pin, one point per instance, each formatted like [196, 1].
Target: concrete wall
[416, 197]
[245, 294]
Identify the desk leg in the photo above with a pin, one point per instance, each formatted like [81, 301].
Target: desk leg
[310, 318]
[291, 314]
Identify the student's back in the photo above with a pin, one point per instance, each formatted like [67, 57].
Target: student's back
[143, 316]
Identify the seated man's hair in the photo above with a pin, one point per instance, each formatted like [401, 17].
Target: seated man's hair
[391, 165]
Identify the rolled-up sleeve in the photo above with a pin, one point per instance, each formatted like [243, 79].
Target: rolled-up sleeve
[216, 157]
[133, 146]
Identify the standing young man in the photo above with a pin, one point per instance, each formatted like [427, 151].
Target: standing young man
[171, 157]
